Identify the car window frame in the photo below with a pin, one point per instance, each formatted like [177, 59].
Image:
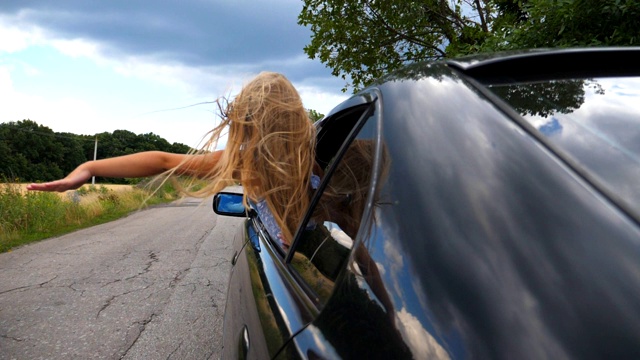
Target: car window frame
[323, 126]
[372, 112]
[329, 172]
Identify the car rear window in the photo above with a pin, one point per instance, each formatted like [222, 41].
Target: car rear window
[595, 121]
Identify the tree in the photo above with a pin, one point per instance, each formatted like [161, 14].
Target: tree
[314, 115]
[33, 152]
[10, 164]
[552, 24]
[546, 98]
[179, 148]
[124, 142]
[563, 23]
[72, 151]
[361, 40]
[547, 23]
[151, 141]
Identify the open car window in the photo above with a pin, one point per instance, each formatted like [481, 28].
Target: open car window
[332, 134]
[325, 240]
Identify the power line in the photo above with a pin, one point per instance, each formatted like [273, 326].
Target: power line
[179, 108]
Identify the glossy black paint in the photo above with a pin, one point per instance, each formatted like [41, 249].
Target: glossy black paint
[517, 257]
[261, 300]
[540, 64]
[487, 243]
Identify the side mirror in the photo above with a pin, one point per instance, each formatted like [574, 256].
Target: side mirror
[229, 204]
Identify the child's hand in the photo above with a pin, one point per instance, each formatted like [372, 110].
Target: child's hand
[73, 181]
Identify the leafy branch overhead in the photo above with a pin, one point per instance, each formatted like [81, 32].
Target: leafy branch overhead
[360, 40]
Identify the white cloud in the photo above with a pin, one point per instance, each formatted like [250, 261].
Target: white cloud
[12, 101]
[6, 85]
[396, 264]
[61, 114]
[77, 48]
[320, 101]
[338, 235]
[421, 343]
[83, 109]
[197, 82]
[394, 256]
[14, 39]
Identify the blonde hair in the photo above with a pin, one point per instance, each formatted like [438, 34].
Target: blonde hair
[270, 149]
[345, 197]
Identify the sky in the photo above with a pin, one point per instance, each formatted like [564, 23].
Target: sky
[87, 67]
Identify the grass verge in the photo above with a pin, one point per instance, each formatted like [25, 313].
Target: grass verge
[26, 217]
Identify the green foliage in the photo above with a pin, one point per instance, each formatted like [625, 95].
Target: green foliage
[31, 212]
[360, 40]
[31, 216]
[544, 99]
[34, 152]
[565, 23]
[314, 115]
[31, 151]
[92, 189]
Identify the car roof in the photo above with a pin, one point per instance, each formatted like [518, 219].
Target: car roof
[546, 64]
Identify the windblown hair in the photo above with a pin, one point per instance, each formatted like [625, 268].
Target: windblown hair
[270, 149]
[344, 199]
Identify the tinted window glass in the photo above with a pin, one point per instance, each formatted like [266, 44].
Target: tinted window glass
[596, 121]
[332, 133]
[327, 238]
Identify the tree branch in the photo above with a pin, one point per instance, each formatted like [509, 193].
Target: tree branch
[376, 17]
[483, 22]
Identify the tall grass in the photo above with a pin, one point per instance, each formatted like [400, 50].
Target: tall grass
[29, 216]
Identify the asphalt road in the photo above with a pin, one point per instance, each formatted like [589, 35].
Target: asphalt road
[148, 286]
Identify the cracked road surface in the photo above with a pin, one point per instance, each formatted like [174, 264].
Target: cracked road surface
[148, 286]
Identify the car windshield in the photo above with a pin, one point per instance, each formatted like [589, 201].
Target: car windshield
[596, 121]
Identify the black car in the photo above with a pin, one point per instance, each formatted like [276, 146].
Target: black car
[486, 208]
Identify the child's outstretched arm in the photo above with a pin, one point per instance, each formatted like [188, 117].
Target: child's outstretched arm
[135, 165]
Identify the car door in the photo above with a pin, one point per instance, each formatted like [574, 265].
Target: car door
[270, 298]
[331, 235]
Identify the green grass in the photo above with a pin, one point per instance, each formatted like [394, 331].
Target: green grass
[26, 217]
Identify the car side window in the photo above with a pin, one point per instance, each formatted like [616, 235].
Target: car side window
[326, 238]
[332, 134]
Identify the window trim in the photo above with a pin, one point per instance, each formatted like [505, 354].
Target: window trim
[371, 113]
[328, 174]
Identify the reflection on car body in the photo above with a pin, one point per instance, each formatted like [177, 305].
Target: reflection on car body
[476, 208]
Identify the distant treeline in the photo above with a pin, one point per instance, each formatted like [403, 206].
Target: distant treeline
[30, 152]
